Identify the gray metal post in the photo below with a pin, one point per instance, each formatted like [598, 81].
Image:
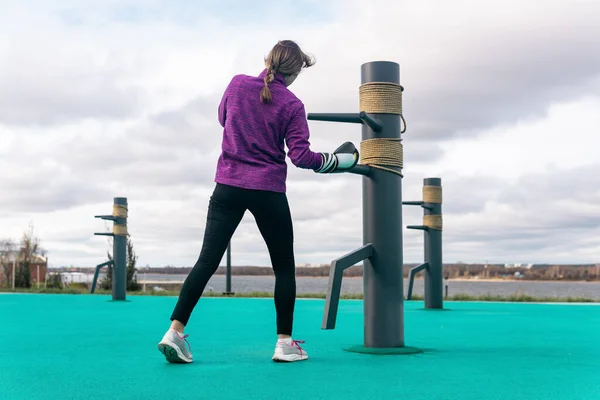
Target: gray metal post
[119, 261]
[119, 282]
[382, 227]
[432, 225]
[380, 116]
[434, 281]
[228, 272]
[446, 288]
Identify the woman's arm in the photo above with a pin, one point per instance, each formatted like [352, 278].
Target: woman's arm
[297, 140]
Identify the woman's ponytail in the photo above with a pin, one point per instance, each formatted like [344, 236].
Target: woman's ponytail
[265, 93]
[287, 59]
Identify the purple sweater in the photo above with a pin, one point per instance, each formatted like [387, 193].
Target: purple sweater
[254, 134]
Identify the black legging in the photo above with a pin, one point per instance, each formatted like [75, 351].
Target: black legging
[225, 211]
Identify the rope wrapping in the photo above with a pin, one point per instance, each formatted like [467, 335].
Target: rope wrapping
[382, 153]
[119, 211]
[381, 98]
[120, 230]
[432, 194]
[433, 221]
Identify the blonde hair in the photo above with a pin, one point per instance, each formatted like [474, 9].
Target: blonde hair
[285, 58]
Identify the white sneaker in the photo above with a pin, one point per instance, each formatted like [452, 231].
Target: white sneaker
[289, 350]
[173, 346]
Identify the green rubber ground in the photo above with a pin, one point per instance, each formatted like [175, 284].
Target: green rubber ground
[86, 347]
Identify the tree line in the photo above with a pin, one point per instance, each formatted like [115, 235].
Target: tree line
[582, 272]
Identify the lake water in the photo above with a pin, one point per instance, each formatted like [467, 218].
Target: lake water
[242, 284]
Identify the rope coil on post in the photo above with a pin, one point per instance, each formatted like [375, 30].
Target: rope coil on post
[382, 153]
[381, 98]
[433, 221]
[432, 194]
[119, 211]
[120, 230]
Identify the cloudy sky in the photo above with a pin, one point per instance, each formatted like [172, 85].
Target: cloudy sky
[101, 99]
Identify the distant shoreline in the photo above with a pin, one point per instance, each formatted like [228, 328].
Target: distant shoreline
[419, 278]
[515, 280]
[454, 272]
[140, 276]
[487, 280]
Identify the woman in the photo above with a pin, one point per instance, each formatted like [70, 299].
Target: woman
[259, 116]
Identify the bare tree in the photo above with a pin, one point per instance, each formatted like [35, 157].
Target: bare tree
[7, 252]
[29, 251]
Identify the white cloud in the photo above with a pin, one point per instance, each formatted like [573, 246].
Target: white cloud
[565, 137]
[501, 102]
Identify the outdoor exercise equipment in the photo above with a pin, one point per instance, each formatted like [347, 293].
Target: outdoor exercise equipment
[119, 261]
[380, 114]
[228, 291]
[432, 227]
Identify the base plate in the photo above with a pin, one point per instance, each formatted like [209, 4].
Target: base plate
[406, 350]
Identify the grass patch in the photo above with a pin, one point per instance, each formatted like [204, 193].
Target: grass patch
[516, 297]
[522, 298]
[344, 296]
[74, 290]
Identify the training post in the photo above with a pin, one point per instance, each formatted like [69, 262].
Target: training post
[119, 261]
[432, 226]
[380, 114]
